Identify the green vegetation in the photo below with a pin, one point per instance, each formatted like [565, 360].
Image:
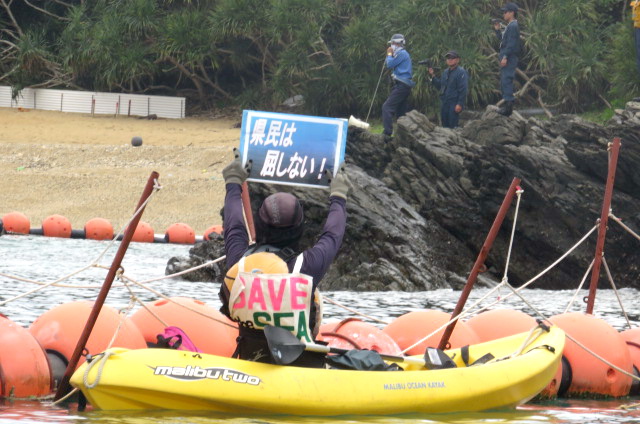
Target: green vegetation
[257, 53]
[603, 115]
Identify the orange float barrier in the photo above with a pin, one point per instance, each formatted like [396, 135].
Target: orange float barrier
[352, 333]
[58, 331]
[589, 375]
[209, 335]
[143, 233]
[498, 323]
[632, 338]
[15, 222]
[24, 369]
[98, 229]
[56, 226]
[180, 233]
[101, 229]
[213, 229]
[413, 326]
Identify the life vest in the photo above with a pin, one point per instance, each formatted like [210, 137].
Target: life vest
[263, 292]
[635, 13]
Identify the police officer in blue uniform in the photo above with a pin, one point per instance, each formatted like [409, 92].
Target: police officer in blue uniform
[508, 55]
[453, 86]
[399, 61]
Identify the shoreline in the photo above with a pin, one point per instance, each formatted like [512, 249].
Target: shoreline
[84, 167]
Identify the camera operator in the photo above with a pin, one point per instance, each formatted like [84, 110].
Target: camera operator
[453, 86]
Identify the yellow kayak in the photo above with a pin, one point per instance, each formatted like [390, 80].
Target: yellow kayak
[122, 379]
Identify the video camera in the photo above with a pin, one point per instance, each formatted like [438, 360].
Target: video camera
[428, 63]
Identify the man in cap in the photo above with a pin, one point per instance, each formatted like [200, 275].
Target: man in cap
[508, 55]
[453, 86]
[399, 61]
[279, 227]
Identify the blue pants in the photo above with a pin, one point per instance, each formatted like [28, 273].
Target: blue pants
[449, 115]
[637, 34]
[396, 104]
[507, 74]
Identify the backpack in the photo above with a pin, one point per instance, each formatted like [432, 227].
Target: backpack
[175, 338]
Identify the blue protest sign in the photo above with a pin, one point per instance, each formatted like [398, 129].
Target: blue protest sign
[292, 149]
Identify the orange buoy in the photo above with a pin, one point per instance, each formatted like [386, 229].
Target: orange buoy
[632, 338]
[16, 222]
[499, 323]
[208, 328]
[56, 226]
[143, 233]
[413, 326]
[58, 331]
[98, 229]
[352, 333]
[180, 233]
[24, 370]
[213, 229]
[589, 375]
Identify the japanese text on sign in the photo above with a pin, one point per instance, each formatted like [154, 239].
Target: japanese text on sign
[292, 149]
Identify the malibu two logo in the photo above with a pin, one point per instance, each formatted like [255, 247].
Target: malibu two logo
[190, 373]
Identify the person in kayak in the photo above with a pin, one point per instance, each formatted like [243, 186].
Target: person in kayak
[279, 226]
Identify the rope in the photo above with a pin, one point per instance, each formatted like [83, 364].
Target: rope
[183, 306]
[44, 286]
[586, 349]
[353, 311]
[123, 315]
[62, 399]
[69, 286]
[519, 192]
[630, 406]
[376, 91]
[575, 294]
[619, 221]
[94, 263]
[615, 290]
[468, 310]
[99, 360]
[141, 303]
[527, 341]
[186, 271]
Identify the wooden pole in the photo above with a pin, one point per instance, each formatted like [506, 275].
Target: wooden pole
[63, 388]
[602, 229]
[248, 214]
[484, 252]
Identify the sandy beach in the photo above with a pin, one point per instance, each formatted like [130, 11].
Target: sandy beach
[85, 167]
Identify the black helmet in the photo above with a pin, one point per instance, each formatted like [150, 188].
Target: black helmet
[279, 221]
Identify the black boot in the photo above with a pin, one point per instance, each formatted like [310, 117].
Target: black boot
[506, 109]
[509, 108]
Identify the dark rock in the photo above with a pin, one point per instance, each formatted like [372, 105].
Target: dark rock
[424, 202]
[199, 254]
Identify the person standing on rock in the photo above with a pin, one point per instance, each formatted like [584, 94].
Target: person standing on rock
[635, 16]
[399, 61]
[453, 86]
[279, 227]
[508, 55]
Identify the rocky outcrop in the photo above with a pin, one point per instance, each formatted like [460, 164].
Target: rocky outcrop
[424, 202]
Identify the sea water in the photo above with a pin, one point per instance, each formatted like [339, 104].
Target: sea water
[38, 260]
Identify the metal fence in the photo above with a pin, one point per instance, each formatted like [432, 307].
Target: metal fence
[95, 102]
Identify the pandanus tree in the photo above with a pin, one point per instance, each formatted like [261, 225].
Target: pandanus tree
[256, 53]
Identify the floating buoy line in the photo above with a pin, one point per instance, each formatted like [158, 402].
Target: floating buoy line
[101, 229]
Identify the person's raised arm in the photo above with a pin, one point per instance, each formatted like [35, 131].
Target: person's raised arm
[318, 258]
[236, 239]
